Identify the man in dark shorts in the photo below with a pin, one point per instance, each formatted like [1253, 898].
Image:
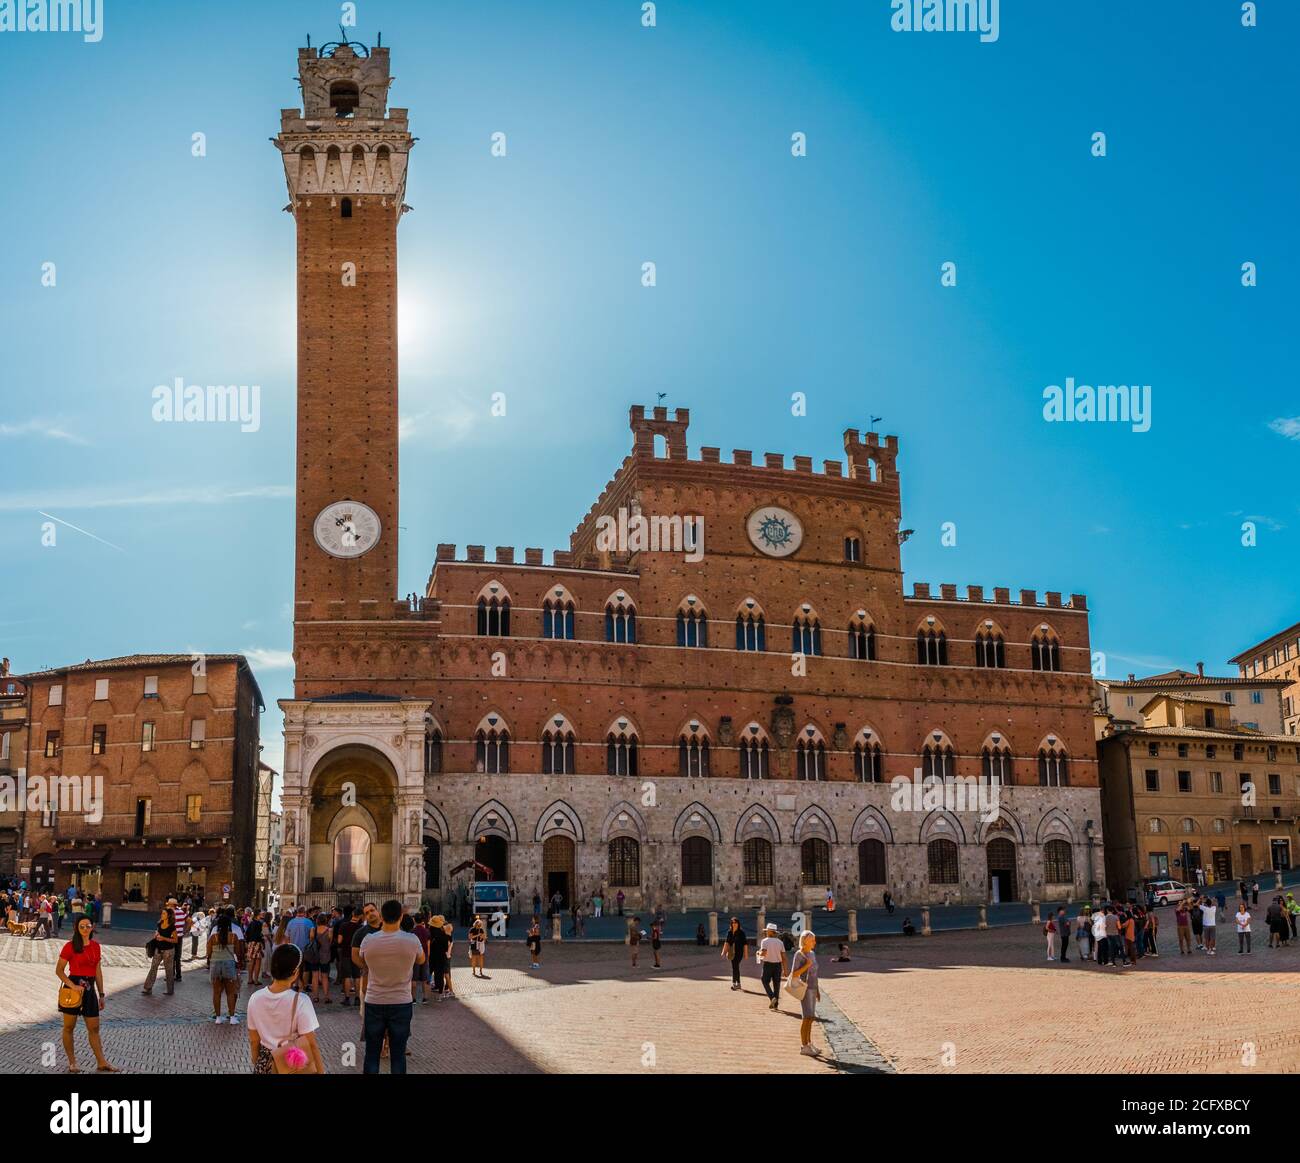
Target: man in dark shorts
[343, 934]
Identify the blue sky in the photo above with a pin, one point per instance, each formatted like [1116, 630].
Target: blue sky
[775, 274]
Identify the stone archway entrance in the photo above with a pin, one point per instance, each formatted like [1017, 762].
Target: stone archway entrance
[1002, 870]
[351, 847]
[558, 873]
[493, 852]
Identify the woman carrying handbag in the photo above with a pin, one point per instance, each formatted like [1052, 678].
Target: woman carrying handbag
[282, 1022]
[164, 945]
[81, 993]
[803, 987]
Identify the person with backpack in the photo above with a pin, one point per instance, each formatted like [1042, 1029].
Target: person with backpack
[319, 952]
[282, 1019]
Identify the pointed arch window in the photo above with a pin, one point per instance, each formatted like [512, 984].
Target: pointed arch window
[990, 647]
[937, 759]
[871, 862]
[620, 620]
[995, 763]
[754, 753]
[692, 625]
[931, 647]
[557, 617]
[1058, 862]
[868, 760]
[751, 628]
[862, 638]
[624, 862]
[757, 861]
[494, 614]
[1053, 766]
[492, 749]
[852, 548]
[941, 862]
[1045, 650]
[621, 750]
[693, 753]
[559, 751]
[815, 860]
[807, 635]
[810, 756]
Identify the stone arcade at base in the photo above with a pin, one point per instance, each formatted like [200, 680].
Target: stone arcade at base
[699, 725]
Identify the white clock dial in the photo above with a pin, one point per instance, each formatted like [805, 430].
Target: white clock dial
[347, 529]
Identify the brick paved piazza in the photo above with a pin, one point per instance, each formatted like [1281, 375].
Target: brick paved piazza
[955, 1002]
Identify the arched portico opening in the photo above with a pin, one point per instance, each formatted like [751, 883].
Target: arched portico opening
[351, 841]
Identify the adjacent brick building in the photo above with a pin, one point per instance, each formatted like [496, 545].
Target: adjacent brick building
[150, 762]
[1186, 786]
[699, 725]
[13, 751]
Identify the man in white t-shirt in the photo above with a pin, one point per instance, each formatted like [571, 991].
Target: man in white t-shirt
[1208, 911]
[271, 1017]
[1243, 929]
[771, 956]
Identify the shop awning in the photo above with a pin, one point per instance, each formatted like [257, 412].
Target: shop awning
[163, 857]
[86, 856]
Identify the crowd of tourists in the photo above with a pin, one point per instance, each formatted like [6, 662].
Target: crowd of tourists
[1120, 934]
[382, 960]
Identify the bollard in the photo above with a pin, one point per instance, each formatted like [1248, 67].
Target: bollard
[555, 928]
[713, 928]
[925, 921]
[1278, 886]
[853, 925]
[106, 916]
[984, 917]
[1036, 917]
[762, 922]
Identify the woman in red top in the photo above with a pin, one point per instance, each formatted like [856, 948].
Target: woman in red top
[79, 967]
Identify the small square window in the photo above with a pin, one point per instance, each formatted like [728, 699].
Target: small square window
[101, 689]
[1153, 780]
[1153, 749]
[98, 739]
[56, 695]
[198, 732]
[147, 737]
[1274, 784]
[193, 809]
[1216, 781]
[150, 686]
[1184, 781]
[201, 684]
[1182, 751]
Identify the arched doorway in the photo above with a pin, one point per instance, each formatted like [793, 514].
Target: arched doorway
[1002, 870]
[350, 843]
[558, 869]
[494, 853]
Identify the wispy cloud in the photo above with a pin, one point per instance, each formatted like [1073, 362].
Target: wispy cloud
[91, 498]
[261, 658]
[443, 427]
[44, 428]
[1288, 426]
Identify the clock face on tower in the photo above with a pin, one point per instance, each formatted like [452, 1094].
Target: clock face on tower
[347, 529]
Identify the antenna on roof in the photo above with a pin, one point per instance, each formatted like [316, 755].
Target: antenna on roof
[309, 40]
[379, 40]
[660, 396]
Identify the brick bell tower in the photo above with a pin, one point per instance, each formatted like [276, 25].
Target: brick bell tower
[345, 154]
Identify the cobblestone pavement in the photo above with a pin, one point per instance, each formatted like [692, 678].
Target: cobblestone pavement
[991, 1002]
[956, 1002]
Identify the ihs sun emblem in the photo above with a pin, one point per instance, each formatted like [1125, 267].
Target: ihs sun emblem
[775, 531]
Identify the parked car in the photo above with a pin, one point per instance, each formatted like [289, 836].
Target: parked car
[1167, 892]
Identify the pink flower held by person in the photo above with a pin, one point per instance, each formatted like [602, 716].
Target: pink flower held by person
[295, 1057]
